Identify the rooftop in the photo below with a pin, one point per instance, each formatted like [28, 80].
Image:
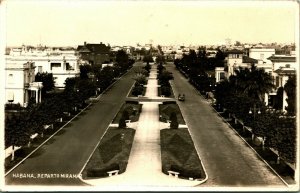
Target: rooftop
[247, 59]
[282, 58]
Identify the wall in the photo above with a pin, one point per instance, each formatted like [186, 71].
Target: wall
[262, 54]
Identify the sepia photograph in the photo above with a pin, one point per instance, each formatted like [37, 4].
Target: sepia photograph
[166, 95]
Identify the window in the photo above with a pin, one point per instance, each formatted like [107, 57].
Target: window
[222, 76]
[237, 56]
[55, 65]
[69, 67]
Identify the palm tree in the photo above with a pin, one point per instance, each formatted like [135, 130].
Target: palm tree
[253, 82]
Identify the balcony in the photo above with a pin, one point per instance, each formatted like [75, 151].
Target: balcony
[35, 85]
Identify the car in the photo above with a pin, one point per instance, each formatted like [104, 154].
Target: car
[181, 97]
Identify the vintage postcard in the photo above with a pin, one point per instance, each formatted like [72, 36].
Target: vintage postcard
[149, 95]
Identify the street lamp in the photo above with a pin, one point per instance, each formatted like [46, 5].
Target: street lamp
[254, 111]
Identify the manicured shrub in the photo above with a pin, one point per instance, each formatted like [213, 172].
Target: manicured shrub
[165, 90]
[125, 115]
[122, 123]
[137, 90]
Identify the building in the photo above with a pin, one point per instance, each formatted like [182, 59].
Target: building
[280, 67]
[283, 66]
[62, 64]
[19, 83]
[262, 54]
[95, 54]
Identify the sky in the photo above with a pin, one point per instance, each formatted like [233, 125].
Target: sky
[71, 22]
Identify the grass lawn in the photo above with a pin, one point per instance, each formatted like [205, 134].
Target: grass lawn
[165, 111]
[134, 111]
[178, 154]
[111, 154]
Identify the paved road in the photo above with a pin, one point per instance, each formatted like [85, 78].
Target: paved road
[66, 153]
[227, 159]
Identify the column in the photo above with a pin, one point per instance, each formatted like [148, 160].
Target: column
[40, 94]
[36, 96]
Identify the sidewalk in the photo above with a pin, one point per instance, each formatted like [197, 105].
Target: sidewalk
[144, 165]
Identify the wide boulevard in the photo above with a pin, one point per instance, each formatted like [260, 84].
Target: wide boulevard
[227, 159]
[66, 153]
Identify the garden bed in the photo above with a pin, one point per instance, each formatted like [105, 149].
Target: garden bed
[111, 154]
[133, 110]
[143, 91]
[178, 154]
[160, 92]
[165, 111]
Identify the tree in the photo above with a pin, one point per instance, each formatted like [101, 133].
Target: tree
[137, 90]
[237, 43]
[253, 82]
[125, 115]
[122, 123]
[122, 60]
[165, 76]
[174, 122]
[47, 80]
[141, 71]
[84, 71]
[290, 89]
[278, 99]
[166, 90]
[148, 58]
[160, 59]
[105, 77]
[140, 79]
[16, 133]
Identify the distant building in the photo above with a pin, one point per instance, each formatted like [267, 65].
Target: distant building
[19, 83]
[95, 54]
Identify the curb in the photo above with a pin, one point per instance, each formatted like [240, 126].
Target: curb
[80, 172]
[197, 150]
[270, 167]
[252, 149]
[98, 97]
[46, 140]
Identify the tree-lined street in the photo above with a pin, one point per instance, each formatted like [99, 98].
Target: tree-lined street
[227, 159]
[66, 153]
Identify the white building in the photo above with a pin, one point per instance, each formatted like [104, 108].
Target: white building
[62, 64]
[262, 54]
[19, 83]
[283, 66]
